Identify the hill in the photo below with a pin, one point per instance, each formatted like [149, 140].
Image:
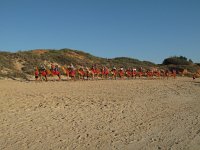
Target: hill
[21, 64]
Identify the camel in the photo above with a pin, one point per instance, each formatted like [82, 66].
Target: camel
[128, 73]
[54, 71]
[134, 73]
[183, 72]
[81, 73]
[169, 73]
[121, 73]
[70, 72]
[149, 74]
[140, 72]
[157, 73]
[66, 71]
[114, 73]
[104, 73]
[93, 72]
[174, 73]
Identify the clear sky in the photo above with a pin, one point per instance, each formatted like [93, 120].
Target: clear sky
[144, 29]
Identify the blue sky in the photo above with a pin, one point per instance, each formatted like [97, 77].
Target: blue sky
[144, 29]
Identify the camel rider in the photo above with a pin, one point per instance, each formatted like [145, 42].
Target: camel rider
[42, 71]
[71, 66]
[106, 71]
[92, 68]
[52, 67]
[114, 68]
[56, 68]
[81, 68]
[86, 68]
[140, 69]
[42, 68]
[103, 69]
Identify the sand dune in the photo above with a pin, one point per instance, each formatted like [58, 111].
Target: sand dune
[122, 114]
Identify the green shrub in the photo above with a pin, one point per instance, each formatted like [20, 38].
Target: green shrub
[176, 61]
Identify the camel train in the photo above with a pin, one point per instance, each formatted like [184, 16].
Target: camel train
[94, 73]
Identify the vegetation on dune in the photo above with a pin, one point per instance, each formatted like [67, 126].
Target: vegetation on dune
[181, 60]
[198, 64]
[22, 63]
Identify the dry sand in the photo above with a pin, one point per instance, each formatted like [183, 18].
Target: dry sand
[122, 114]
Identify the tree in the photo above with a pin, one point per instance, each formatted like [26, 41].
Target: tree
[190, 61]
[182, 58]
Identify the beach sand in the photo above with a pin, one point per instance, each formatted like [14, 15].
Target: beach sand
[104, 114]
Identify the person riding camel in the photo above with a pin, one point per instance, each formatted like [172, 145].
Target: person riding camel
[42, 71]
[140, 72]
[134, 72]
[71, 66]
[114, 72]
[104, 72]
[42, 67]
[81, 68]
[128, 72]
[57, 72]
[121, 72]
[56, 68]
[94, 69]
[81, 72]
[174, 73]
[52, 67]
[87, 72]
[72, 72]
[114, 68]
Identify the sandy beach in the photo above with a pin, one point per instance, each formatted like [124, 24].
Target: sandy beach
[109, 114]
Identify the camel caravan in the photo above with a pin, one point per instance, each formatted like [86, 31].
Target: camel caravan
[95, 73]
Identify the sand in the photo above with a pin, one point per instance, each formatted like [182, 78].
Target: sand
[105, 115]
